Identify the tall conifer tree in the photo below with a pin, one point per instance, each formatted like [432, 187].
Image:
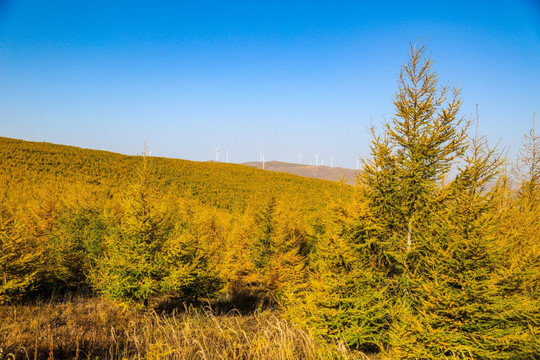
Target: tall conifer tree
[402, 179]
[417, 150]
[369, 270]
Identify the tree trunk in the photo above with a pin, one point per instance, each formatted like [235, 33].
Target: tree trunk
[409, 235]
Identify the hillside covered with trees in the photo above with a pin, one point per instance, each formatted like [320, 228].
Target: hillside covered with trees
[433, 254]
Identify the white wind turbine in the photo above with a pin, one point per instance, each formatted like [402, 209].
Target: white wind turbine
[217, 153]
[331, 162]
[316, 159]
[261, 159]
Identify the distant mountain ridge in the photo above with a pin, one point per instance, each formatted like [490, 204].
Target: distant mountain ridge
[316, 172]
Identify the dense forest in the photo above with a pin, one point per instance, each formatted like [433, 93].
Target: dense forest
[433, 254]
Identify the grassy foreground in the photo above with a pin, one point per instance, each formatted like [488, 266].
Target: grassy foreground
[92, 328]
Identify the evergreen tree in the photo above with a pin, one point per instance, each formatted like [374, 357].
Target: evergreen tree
[527, 169]
[417, 150]
[371, 260]
[148, 256]
[77, 241]
[459, 302]
[346, 299]
[21, 257]
[519, 233]
[40, 224]
[262, 248]
[196, 240]
[402, 180]
[238, 266]
[285, 272]
[278, 250]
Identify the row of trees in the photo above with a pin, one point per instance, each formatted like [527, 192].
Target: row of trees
[435, 256]
[147, 245]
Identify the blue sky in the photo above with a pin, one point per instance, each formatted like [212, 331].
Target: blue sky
[283, 77]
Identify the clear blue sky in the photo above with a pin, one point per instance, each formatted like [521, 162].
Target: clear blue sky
[284, 77]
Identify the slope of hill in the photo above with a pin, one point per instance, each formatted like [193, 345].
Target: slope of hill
[316, 172]
[217, 184]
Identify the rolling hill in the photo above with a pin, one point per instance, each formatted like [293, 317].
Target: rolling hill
[34, 164]
[316, 172]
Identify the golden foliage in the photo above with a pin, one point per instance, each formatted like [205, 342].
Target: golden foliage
[434, 255]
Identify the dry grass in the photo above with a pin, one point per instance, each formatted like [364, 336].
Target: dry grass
[90, 328]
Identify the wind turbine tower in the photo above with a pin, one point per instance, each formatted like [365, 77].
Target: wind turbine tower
[316, 159]
[331, 162]
[227, 155]
[261, 159]
[217, 153]
[298, 158]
